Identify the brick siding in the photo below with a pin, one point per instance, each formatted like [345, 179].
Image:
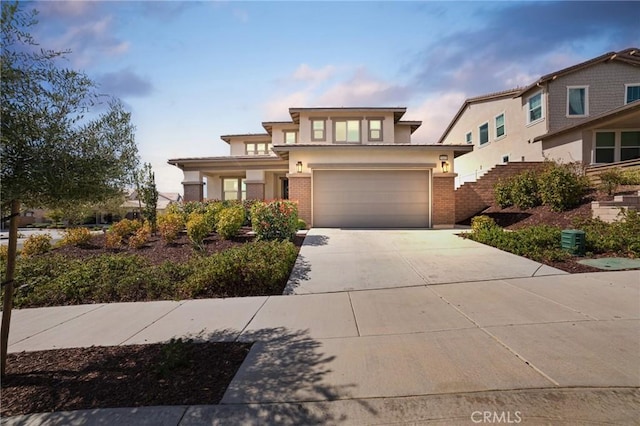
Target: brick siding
[444, 200]
[193, 191]
[255, 191]
[300, 192]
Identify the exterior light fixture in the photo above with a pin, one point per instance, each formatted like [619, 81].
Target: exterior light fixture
[444, 157]
[299, 166]
[445, 167]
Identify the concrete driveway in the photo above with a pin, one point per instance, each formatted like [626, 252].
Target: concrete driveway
[333, 260]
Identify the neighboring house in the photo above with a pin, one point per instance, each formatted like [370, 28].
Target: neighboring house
[132, 205]
[345, 167]
[588, 113]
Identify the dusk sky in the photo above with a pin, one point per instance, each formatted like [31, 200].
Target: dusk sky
[192, 71]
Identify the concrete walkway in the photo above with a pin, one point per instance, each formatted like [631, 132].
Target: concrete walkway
[333, 260]
[559, 349]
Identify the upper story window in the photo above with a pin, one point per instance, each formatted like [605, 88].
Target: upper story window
[290, 136]
[468, 138]
[577, 101]
[318, 130]
[375, 129]
[258, 148]
[632, 93]
[500, 129]
[484, 133]
[346, 130]
[534, 108]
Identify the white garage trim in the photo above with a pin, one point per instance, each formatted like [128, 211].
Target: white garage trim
[369, 196]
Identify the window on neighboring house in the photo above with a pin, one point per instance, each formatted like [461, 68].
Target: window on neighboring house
[577, 101]
[318, 130]
[258, 148]
[468, 138]
[347, 130]
[484, 133]
[234, 189]
[534, 107]
[629, 145]
[605, 147]
[505, 159]
[290, 137]
[500, 129]
[375, 129]
[632, 93]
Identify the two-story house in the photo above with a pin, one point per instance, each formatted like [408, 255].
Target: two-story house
[345, 167]
[586, 113]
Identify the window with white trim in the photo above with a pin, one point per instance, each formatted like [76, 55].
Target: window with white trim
[290, 137]
[500, 128]
[375, 129]
[629, 145]
[318, 130]
[468, 138]
[577, 101]
[534, 108]
[234, 189]
[483, 131]
[346, 131]
[631, 93]
[258, 148]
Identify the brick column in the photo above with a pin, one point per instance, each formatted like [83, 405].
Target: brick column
[193, 191]
[300, 192]
[255, 190]
[444, 200]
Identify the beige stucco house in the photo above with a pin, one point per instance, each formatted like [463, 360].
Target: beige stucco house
[588, 112]
[345, 167]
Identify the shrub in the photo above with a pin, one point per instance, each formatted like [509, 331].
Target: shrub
[169, 226]
[561, 188]
[198, 228]
[257, 268]
[610, 180]
[126, 227]
[229, 221]
[112, 240]
[76, 236]
[301, 224]
[36, 244]
[524, 190]
[502, 193]
[141, 236]
[631, 177]
[482, 223]
[621, 236]
[211, 211]
[277, 220]
[4, 255]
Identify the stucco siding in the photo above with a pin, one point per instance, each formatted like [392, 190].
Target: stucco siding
[606, 83]
[402, 134]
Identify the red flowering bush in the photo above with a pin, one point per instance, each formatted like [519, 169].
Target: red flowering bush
[276, 220]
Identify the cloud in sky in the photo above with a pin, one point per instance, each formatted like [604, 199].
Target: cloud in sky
[305, 73]
[124, 83]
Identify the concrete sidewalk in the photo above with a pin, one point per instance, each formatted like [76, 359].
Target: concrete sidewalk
[560, 348]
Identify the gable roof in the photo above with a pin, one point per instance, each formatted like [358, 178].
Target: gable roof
[478, 99]
[629, 56]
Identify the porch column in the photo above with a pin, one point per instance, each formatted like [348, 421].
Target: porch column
[300, 192]
[255, 184]
[193, 186]
[443, 213]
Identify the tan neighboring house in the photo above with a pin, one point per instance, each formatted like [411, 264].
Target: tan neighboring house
[588, 112]
[132, 205]
[345, 167]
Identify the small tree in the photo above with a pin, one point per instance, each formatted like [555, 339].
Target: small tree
[148, 194]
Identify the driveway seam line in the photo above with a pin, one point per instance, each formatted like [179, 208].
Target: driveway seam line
[151, 323]
[251, 319]
[353, 311]
[57, 325]
[503, 344]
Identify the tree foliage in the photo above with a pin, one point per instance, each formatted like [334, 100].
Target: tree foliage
[148, 193]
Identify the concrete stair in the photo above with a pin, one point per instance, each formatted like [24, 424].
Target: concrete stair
[473, 197]
[609, 211]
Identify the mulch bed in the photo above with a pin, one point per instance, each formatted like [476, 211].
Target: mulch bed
[178, 373]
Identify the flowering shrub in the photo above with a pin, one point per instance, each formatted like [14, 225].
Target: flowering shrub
[229, 221]
[277, 220]
[141, 236]
[169, 226]
[36, 244]
[198, 227]
[76, 236]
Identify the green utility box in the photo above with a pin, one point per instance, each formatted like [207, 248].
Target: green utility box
[573, 241]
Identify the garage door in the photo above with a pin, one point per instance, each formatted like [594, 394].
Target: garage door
[371, 198]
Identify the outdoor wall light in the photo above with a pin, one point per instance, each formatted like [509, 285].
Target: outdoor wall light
[445, 167]
[299, 166]
[444, 157]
